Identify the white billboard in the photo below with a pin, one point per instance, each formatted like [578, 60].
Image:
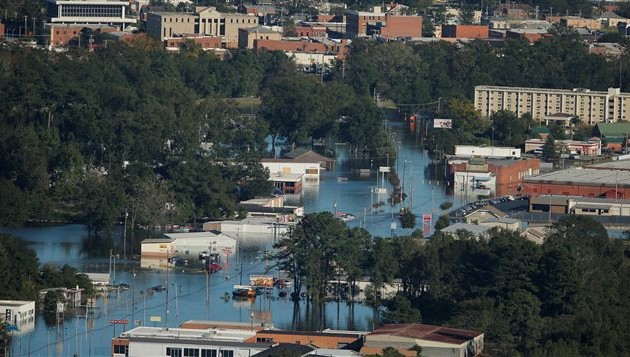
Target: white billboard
[443, 123]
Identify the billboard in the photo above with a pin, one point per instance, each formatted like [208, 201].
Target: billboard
[442, 123]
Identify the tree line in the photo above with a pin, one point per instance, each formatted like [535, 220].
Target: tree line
[565, 297]
[88, 136]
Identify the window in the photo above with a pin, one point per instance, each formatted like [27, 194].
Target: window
[264, 339]
[208, 353]
[173, 351]
[121, 350]
[226, 354]
[191, 352]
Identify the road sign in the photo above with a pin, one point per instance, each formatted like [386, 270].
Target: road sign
[119, 322]
[8, 316]
[155, 318]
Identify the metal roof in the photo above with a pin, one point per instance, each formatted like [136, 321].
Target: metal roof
[586, 177]
[427, 333]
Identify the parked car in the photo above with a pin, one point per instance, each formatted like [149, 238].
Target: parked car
[213, 268]
[575, 157]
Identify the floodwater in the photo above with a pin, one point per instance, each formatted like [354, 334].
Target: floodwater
[192, 295]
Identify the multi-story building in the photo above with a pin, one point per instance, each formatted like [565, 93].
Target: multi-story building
[206, 21]
[161, 25]
[247, 36]
[214, 23]
[465, 31]
[591, 107]
[387, 25]
[19, 315]
[90, 12]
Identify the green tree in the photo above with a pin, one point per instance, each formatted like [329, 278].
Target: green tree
[399, 310]
[549, 149]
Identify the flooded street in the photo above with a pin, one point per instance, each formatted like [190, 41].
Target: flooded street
[188, 288]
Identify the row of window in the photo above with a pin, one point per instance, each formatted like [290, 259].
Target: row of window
[91, 11]
[196, 352]
[170, 19]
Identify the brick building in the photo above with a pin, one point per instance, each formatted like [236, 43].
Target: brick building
[402, 26]
[323, 339]
[206, 42]
[311, 31]
[1, 31]
[596, 181]
[302, 46]
[529, 35]
[465, 31]
[491, 177]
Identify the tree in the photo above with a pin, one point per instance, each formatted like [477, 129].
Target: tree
[399, 310]
[407, 219]
[428, 30]
[549, 149]
[466, 15]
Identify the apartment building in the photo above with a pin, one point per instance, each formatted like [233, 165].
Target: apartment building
[591, 107]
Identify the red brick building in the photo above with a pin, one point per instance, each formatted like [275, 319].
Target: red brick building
[302, 46]
[1, 31]
[206, 42]
[589, 182]
[465, 31]
[311, 31]
[530, 36]
[402, 26]
[509, 173]
[316, 339]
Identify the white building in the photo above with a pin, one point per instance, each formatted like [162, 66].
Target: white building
[471, 184]
[90, 12]
[156, 341]
[19, 314]
[189, 245]
[309, 170]
[486, 151]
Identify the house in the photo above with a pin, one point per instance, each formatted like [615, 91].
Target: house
[475, 229]
[72, 297]
[483, 214]
[306, 154]
[434, 340]
[507, 223]
[611, 19]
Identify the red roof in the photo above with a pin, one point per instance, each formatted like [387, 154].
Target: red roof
[427, 332]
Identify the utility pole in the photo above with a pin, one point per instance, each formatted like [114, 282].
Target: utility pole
[25, 25]
[125, 235]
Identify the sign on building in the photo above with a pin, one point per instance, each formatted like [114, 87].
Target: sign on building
[442, 123]
[261, 280]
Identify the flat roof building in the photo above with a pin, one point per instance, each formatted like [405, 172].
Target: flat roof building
[75, 12]
[591, 107]
[434, 340]
[157, 341]
[589, 182]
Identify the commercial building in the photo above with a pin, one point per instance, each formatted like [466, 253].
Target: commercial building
[189, 245]
[578, 205]
[486, 151]
[434, 340]
[592, 147]
[383, 24]
[161, 25]
[465, 31]
[205, 42]
[90, 12]
[576, 21]
[615, 134]
[596, 181]
[157, 341]
[248, 36]
[19, 314]
[306, 52]
[317, 339]
[478, 177]
[591, 107]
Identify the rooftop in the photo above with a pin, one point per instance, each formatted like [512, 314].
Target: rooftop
[612, 165]
[587, 177]
[427, 332]
[233, 335]
[472, 228]
[613, 129]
